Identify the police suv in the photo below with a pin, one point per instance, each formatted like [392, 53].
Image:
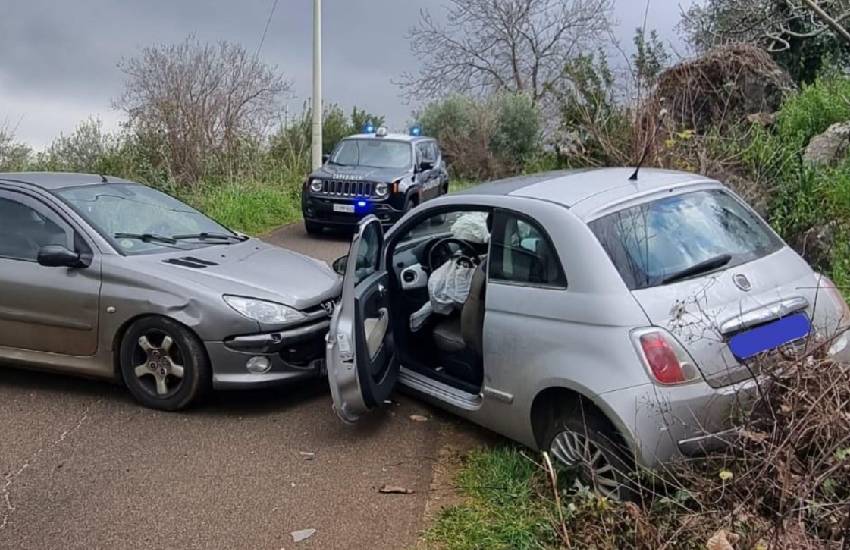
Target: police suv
[373, 173]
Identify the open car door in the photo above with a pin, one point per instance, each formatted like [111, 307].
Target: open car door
[361, 361]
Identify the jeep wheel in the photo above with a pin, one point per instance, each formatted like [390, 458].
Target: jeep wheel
[313, 228]
[584, 450]
[163, 364]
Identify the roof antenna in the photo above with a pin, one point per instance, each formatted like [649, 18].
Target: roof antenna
[661, 114]
[103, 179]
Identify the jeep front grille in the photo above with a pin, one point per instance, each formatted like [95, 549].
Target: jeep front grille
[343, 188]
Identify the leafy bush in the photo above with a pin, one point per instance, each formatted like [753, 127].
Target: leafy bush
[487, 138]
[517, 132]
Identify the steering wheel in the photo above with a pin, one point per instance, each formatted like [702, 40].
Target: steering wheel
[467, 252]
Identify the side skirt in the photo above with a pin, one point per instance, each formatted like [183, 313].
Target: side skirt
[439, 391]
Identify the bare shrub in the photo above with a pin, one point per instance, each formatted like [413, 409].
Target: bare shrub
[785, 483]
[13, 154]
[207, 101]
[719, 89]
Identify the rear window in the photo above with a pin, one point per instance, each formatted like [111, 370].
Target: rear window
[651, 244]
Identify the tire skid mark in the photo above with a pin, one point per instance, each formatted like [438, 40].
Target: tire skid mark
[11, 477]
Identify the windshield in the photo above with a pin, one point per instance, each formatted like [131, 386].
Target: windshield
[678, 237]
[375, 153]
[120, 211]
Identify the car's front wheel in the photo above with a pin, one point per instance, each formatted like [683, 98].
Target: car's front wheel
[584, 448]
[163, 364]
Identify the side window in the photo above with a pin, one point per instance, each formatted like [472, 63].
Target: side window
[26, 226]
[435, 151]
[522, 253]
[422, 153]
[368, 252]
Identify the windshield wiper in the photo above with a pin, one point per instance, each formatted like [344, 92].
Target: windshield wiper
[210, 237]
[146, 237]
[703, 267]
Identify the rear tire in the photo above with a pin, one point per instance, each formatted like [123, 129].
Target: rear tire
[313, 228]
[582, 447]
[163, 364]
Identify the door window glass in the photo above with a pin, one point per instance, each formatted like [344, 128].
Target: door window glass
[522, 253]
[24, 230]
[368, 252]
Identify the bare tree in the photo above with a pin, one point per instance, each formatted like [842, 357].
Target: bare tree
[203, 99]
[519, 46]
[772, 24]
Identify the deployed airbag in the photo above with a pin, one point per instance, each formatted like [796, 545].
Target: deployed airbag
[448, 289]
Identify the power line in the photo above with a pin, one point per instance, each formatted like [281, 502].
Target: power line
[266, 29]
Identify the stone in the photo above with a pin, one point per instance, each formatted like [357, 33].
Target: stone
[829, 147]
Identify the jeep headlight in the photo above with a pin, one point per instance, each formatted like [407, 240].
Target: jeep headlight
[382, 190]
[263, 311]
[316, 186]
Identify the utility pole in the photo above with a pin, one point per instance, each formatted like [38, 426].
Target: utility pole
[317, 84]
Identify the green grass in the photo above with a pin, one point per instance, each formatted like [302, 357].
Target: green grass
[503, 508]
[250, 207]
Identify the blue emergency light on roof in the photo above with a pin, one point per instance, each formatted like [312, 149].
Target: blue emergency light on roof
[416, 130]
[368, 128]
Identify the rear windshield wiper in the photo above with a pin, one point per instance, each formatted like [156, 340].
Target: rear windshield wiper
[210, 237]
[703, 267]
[146, 237]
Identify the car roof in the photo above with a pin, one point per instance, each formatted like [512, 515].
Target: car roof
[571, 188]
[392, 137]
[53, 181]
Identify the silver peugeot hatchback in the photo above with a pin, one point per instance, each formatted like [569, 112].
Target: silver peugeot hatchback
[611, 322]
[107, 278]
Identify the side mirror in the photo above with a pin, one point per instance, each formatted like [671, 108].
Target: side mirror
[325, 158]
[426, 165]
[55, 255]
[340, 264]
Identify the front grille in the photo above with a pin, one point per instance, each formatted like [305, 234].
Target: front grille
[345, 188]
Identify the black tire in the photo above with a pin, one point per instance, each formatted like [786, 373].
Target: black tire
[159, 364]
[411, 203]
[590, 429]
[313, 228]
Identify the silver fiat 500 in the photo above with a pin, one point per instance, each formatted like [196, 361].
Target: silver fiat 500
[611, 322]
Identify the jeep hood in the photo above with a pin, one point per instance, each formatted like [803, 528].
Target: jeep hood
[253, 269]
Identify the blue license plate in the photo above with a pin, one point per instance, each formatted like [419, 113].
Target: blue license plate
[747, 345]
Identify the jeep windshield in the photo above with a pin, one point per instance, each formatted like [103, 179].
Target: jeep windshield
[682, 237]
[373, 153]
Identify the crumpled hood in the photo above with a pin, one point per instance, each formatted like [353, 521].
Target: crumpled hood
[356, 173]
[252, 268]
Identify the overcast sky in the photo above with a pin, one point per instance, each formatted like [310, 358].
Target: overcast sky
[58, 58]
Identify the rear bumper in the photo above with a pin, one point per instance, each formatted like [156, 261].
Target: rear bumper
[320, 210]
[662, 424]
[294, 354]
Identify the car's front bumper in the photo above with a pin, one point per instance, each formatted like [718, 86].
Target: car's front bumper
[320, 210]
[666, 423]
[295, 354]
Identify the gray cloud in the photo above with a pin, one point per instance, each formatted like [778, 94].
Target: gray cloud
[58, 59]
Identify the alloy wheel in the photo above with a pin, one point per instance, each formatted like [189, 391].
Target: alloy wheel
[578, 453]
[158, 364]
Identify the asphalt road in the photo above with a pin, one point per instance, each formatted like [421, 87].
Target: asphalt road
[83, 466]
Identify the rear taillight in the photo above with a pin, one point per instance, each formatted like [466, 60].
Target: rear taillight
[665, 359]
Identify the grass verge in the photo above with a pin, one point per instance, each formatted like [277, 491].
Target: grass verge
[503, 508]
[251, 208]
